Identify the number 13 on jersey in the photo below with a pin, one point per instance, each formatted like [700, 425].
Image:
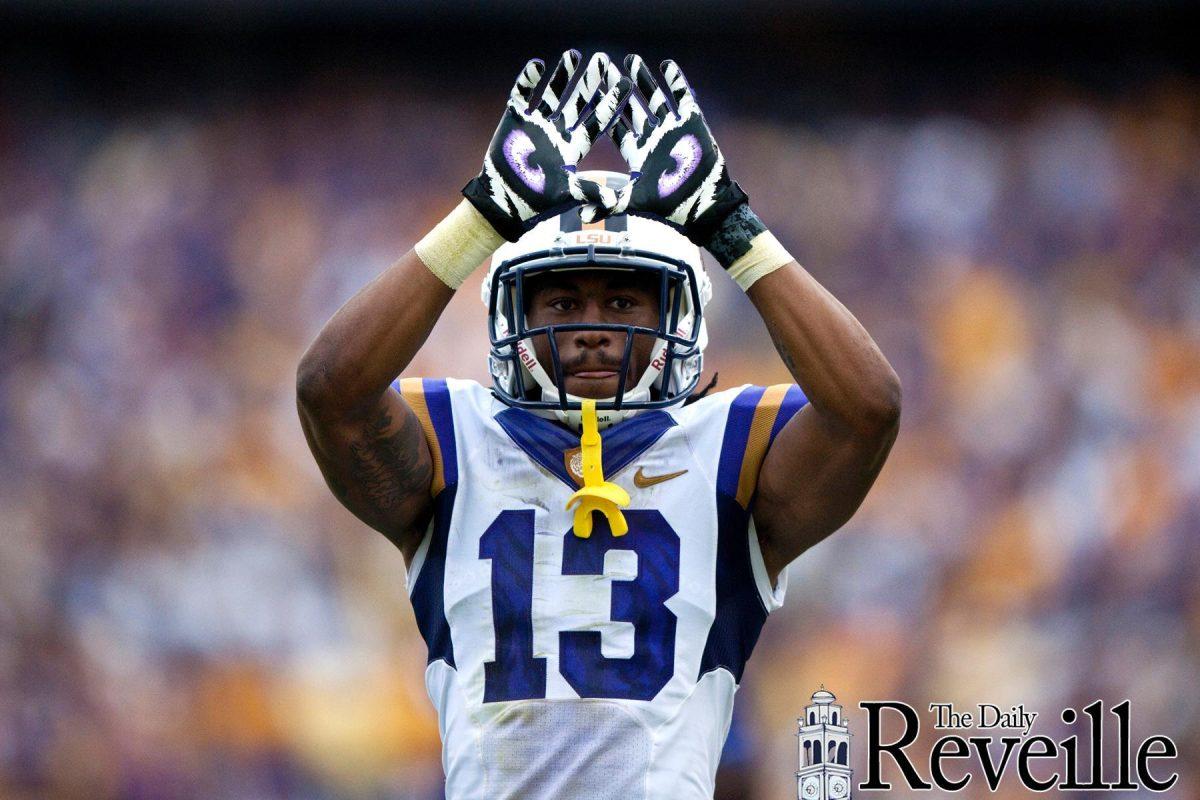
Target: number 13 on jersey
[516, 674]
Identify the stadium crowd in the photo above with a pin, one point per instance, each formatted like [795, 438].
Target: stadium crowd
[186, 612]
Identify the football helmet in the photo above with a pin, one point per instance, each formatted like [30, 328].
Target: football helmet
[620, 242]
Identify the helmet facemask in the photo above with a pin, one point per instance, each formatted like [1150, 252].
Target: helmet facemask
[673, 369]
[619, 242]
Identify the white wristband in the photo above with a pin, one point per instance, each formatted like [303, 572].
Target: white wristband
[765, 256]
[458, 245]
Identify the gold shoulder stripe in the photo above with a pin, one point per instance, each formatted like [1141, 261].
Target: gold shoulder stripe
[758, 440]
[413, 392]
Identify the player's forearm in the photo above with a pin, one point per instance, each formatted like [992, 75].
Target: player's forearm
[374, 336]
[832, 357]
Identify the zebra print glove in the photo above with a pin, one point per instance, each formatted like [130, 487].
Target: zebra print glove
[679, 175]
[529, 170]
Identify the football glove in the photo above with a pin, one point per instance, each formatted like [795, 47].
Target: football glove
[678, 173]
[529, 170]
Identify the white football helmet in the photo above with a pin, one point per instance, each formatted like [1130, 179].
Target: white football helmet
[628, 243]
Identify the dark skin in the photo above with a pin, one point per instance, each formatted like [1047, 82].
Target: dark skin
[592, 359]
[821, 465]
[366, 440]
[370, 448]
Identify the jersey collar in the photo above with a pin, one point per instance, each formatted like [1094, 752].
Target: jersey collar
[546, 442]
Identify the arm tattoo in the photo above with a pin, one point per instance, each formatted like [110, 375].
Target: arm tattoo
[337, 487]
[387, 466]
[788, 361]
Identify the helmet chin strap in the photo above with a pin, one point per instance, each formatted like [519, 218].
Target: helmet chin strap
[573, 418]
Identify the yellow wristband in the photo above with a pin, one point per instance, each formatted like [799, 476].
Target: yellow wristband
[458, 245]
[765, 256]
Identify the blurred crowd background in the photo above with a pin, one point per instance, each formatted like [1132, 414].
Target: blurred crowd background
[1010, 205]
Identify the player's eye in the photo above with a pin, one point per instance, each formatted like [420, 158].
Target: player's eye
[564, 304]
[622, 303]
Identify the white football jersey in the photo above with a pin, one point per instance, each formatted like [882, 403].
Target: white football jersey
[604, 667]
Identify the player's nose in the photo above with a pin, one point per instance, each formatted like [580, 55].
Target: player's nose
[592, 340]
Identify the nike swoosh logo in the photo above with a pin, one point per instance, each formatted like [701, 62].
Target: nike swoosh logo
[643, 481]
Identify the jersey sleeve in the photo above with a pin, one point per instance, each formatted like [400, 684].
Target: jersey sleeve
[429, 399]
[756, 416]
[744, 596]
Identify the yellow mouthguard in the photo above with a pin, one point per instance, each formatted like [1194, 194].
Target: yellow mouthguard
[597, 494]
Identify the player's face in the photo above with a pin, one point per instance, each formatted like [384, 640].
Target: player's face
[591, 360]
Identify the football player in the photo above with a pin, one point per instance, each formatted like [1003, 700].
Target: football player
[590, 556]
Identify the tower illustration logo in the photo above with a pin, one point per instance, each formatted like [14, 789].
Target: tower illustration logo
[824, 750]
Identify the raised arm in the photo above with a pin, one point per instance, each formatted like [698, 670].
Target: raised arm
[366, 440]
[368, 443]
[820, 466]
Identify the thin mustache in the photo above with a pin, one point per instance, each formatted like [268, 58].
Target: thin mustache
[587, 364]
